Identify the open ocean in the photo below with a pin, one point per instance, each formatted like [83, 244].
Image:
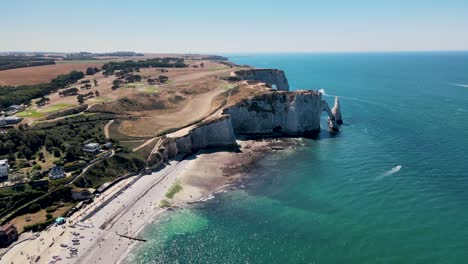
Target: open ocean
[391, 187]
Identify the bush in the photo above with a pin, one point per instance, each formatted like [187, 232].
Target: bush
[37, 167]
[39, 226]
[49, 216]
[51, 209]
[34, 208]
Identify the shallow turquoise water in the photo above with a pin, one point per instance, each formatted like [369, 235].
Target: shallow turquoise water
[336, 200]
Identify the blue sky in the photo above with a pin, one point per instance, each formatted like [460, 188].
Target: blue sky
[234, 26]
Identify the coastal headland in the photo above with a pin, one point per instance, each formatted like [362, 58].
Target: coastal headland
[192, 126]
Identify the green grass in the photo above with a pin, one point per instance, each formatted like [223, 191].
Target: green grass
[227, 86]
[30, 113]
[55, 108]
[175, 188]
[164, 203]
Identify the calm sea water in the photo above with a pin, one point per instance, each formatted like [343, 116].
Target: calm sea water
[345, 199]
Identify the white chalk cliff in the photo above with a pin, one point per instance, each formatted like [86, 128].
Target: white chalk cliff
[295, 113]
[292, 113]
[268, 76]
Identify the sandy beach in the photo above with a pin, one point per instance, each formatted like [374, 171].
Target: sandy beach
[106, 230]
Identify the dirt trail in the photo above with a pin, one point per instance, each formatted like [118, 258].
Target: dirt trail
[106, 128]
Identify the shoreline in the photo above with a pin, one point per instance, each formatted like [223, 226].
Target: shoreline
[234, 179]
[136, 203]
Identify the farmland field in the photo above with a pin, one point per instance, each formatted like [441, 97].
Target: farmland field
[40, 74]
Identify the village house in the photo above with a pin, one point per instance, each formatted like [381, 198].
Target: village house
[9, 121]
[8, 234]
[4, 169]
[13, 109]
[57, 172]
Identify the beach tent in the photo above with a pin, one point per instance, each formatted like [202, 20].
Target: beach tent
[60, 220]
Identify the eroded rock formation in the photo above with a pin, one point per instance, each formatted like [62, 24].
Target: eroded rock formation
[336, 111]
[269, 76]
[292, 113]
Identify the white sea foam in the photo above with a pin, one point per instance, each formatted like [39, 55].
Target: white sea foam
[322, 91]
[390, 172]
[460, 85]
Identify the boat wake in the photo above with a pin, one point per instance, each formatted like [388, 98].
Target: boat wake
[460, 85]
[390, 172]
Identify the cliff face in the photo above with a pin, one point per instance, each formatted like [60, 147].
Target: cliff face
[293, 113]
[214, 133]
[269, 76]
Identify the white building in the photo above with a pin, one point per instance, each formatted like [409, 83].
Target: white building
[92, 148]
[4, 168]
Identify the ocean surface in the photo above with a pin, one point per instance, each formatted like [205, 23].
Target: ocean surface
[391, 187]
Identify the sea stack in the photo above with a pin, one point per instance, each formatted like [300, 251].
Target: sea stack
[337, 112]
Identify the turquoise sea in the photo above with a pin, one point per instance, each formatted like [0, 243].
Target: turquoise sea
[391, 187]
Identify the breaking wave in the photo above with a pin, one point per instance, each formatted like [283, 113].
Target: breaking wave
[460, 85]
[322, 91]
[390, 172]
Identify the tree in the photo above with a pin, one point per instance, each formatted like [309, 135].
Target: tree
[97, 94]
[34, 208]
[40, 156]
[95, 82]
[43, 101]
[56, 152]
[72, 152]
[91, 71]
[80, 99]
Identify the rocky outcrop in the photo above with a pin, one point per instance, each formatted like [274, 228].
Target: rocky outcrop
[269, 76]
[336, 111]
[291, 113]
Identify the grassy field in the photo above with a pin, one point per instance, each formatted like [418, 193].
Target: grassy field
[39, 113]
[55, 108]
[30, 113]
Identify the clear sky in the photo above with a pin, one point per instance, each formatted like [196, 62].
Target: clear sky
[233, 26]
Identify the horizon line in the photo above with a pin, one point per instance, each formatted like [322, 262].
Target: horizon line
[251, 52]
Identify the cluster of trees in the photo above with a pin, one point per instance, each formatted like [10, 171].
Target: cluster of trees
[43, 101]
[82, 97]
[130, 65]
[92, 71]
[10, 95]
[64, 137]
[160, 79]
[69, 92]
[20, 61]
